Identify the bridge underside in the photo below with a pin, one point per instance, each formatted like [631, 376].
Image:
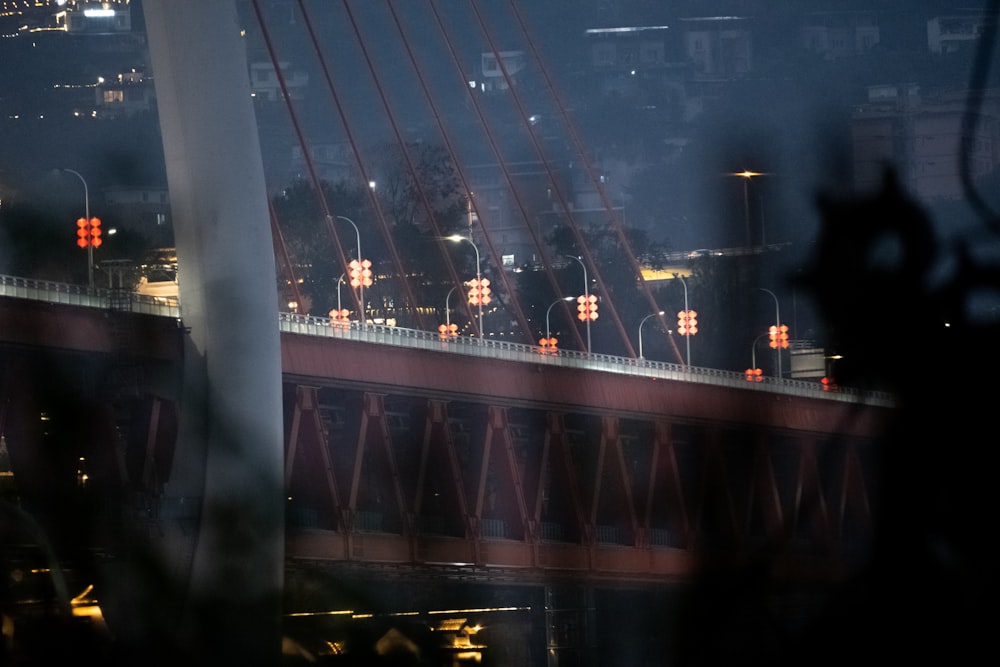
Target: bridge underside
[492, 469]
[441, 462]
[527, 498]
[406, 480]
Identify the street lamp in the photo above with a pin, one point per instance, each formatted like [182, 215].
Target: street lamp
[339, 281]
[548, 343]
[548, 333]
[777, 323]
[746, 174]
[446, 330]
[361, 279]
[447, 307]
[753, 373]
[458, 238]
[340, 316]
[687, 312]
[86, 214]
[586, 294]
[640, 329]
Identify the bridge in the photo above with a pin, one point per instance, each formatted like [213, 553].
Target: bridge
[544, 484]
[512, 444]
[429, 459]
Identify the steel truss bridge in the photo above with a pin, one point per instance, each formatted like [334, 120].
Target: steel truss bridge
[407, 451]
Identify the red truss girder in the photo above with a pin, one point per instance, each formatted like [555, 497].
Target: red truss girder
[601, 501]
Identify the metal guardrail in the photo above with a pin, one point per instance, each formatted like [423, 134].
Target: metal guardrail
[504, 350]
[77, 295]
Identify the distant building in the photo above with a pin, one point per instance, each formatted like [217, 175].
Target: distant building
[546, 207]
[333, 162]
[95, 17]
[954, 33]
[719, 47]
[922, 139]
[840, 34]
[265, 85]
[493, 69]
[154, 198]
[495, 210]
[29, 15]
[74, 16]
[625, 58]
[500, 213]
[127, 94]
[145, 210]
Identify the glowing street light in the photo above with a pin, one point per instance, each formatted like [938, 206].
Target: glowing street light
[90, 245]
[448, 330]
[586, 301]
[340, 316]
[361, 274]
[746, 174]
[777, 330]
[640, 329]
[686, 325]
[549, 343]
[478, 298]
[753, 373]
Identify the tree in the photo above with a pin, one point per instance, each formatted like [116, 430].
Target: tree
[616, 273]
[406, 196]
[411, 211]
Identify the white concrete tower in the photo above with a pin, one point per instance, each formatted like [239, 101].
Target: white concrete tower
[228, 463]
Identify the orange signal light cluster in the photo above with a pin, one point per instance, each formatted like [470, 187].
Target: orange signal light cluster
[340, 317]
[548, 345]
[754, 375]
[586, 307]
[448, 331]
[479, 292]
[778, 336]
[687, 322]
[88, 233]
[361, 273]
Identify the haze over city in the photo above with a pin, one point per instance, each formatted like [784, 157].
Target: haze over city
[603, 329]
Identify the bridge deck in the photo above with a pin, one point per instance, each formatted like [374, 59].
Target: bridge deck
[407, 451]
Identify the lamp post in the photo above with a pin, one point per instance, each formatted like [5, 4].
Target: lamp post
[640, 329]
[357, 232]
[447, 307]
[86, 214]
[586, 293]
[746, 174]
[458, 238]
[687, 337]
[339, 316]
[361, 284]
[339, 281]
[548, 333]
[753, 373]
[548, 343]
[448, 330]
[777, 324]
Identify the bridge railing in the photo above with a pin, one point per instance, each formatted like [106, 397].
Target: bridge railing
[79, 295]
[518, 352]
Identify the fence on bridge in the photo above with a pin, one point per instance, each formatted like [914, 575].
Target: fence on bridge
[78, 295]
[509, 351]
[92, 297]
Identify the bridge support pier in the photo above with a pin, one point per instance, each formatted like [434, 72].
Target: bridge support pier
[229, 451]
